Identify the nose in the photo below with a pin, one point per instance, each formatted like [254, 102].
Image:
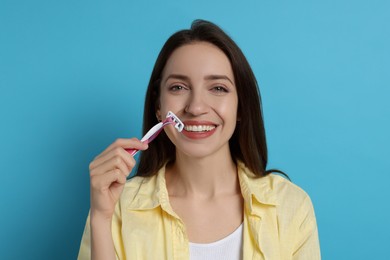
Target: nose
[196, 104]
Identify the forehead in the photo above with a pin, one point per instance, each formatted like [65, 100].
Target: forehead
[198, 58]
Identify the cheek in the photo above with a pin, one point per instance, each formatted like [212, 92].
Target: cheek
[164, 105]
[170, 103]
[228, 109]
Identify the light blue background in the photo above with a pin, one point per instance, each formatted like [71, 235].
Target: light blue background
[73, 76]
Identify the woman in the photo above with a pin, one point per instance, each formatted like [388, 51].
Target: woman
[204, 193]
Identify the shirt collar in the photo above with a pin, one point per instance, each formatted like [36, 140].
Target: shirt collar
[152, 191]
[255, 190]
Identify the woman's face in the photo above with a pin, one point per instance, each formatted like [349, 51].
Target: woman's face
[198, 86]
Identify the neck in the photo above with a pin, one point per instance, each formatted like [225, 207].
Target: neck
[202, 177]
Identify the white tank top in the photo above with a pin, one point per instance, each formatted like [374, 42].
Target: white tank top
[228, 248]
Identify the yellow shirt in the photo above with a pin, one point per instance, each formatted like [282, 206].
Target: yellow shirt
[279, 221]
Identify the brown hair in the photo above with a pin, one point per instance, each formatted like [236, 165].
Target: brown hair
[248, 142]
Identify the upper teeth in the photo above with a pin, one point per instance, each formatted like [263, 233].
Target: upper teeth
[198, 128]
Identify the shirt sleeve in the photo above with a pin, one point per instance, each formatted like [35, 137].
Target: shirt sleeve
[85, 245]
[307, 245]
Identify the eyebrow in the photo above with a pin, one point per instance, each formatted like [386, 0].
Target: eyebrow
[208, 77]
[215, 77]
[177, 76]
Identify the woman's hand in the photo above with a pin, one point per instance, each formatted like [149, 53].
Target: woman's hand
[108, 173]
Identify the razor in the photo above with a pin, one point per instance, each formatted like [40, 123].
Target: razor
[171, 119]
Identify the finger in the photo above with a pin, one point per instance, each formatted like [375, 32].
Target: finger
[118, 148]
[117, 152]
[102, 182]
[124, 143]
[115, 162]
[127, 143]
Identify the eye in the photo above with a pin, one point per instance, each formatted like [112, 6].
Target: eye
[219, 89]
[176, 88]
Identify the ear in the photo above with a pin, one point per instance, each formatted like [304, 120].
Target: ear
[157, 107]
[158, 115]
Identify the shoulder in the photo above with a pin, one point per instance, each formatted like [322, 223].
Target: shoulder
[142, 193]
[137, 182]
[284, 190]
[273, 189]
[293, 205]
[137, 187]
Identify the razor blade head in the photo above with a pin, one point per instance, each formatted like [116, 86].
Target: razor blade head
[176, 121]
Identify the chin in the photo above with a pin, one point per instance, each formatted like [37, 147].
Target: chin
[199, 151]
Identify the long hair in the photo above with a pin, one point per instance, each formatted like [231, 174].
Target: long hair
[248, 142]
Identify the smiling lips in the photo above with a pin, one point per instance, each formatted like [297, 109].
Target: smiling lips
[198, 130]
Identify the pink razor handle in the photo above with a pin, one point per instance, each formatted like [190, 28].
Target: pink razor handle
[171, 118]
